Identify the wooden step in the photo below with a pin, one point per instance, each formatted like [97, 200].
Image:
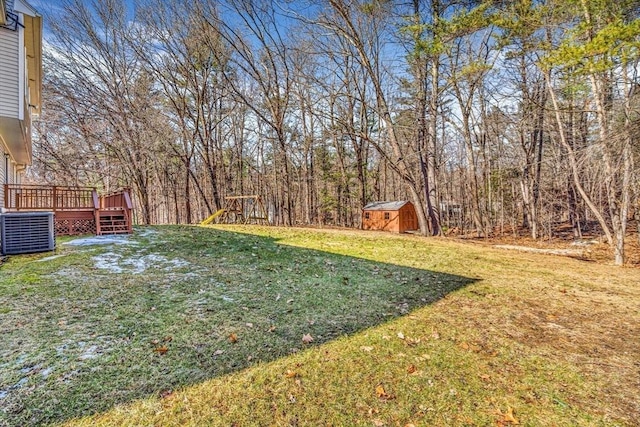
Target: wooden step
[113, 221]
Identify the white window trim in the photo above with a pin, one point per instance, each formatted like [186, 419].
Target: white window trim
[22, 62]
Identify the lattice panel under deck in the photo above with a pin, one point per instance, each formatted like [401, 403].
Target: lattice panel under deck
[70, 227]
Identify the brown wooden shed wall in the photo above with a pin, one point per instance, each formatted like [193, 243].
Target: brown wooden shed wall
[399, 221]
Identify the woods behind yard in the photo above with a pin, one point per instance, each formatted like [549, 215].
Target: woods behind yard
[491, 117]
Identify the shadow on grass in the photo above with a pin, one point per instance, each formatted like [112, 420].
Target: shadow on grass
[97, 328]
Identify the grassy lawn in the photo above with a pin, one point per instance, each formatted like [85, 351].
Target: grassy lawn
[205, 326]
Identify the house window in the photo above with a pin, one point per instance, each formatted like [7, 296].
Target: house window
[367, 215]
[387, 215]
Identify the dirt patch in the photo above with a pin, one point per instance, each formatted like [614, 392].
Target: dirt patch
[591, 247]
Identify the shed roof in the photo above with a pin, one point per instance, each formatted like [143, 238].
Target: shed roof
[385, 206]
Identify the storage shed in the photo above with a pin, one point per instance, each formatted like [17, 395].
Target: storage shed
[399, 216]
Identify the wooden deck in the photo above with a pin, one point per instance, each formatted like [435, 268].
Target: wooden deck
[77, 210]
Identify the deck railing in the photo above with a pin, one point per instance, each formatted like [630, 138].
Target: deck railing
[77, 210]
[117, 199]
[19, 197]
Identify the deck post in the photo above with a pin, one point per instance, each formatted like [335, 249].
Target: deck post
[96, 210]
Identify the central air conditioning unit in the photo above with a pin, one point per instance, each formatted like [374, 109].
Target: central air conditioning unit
[26, 232]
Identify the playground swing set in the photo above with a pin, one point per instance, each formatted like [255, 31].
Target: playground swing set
[240, 210]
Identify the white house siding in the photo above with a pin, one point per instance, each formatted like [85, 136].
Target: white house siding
[9, 75]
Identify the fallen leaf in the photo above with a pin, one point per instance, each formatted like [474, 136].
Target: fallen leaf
[290, 374]
[382, 393]
[411, 369]
[400, 335]
[506, 417]
[218, 352]
[233, 338]
[161, 350]
[292, 398]
[411, 342]
[464, 346]
[378, 423]
[166, 393]
[307, 338]
[509, 417]
[410, 425]
[249, 325]
[272, 328]
[168, 338]
[485, 377]
[366, 348]
[289, 301]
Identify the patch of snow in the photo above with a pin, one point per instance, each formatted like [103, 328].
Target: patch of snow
[117, 239]
[49, 258]
[146, 232]
[566, 252]
[29, 369]
[90, 353]
[116, 263]
[584, 242]
[108, 261]
[170, 264]
[135, 265]
[3, 394]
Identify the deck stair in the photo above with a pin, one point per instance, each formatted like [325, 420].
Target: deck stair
[113, 221]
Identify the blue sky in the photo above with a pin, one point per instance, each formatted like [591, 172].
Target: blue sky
[52, 7]
[46, 7]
